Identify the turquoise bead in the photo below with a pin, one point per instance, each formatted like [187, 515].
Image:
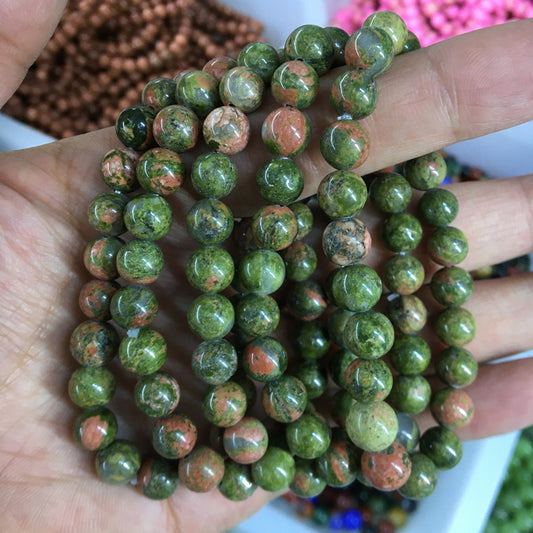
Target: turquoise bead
[344, 144]
[237, 483]
[308, 437]
[275, 470]
[300, 261]
[198, 91]
[342, 194]
[134, 127]
[225, 404]
[118, 463]
[457, 367]
[210, 269]
[176, 128]
[311, 44]
[313, 376]
[410, 394]
[369, 334]
[148, 216]
[438, 207]
[213, 175]
[158, 478]
[442, 446]
[356, 287]
[410, 354]
[339, 38]
[455, 326]
[401, 232]
[390, 192]
[274, 227]
[242, 88]
[392, 24]
[264, 359]
[140, 261]
[408, 313]
[262, 58]
[134, 306]
[158, 93]
[425, 172]
[368, 380]
[336, 324]
[311, 340]
[99, 257]
[106, 213]
[211, 316]
[354, 93]
[403, 274]
[370, 49]
[160, 171]
[451, 286]
[260, 271]
[306, 300]
[93, 343]
[280, 181]
[447, 246]
[338, 363]
[306, 483]
[295, 83]
[118, 169]
[284, 399]
[214, 361]
[209, 221]
[257, 314]
[304, 217]
[95, 428]
[423, 479]
[157, 394]
[144, 352]
[91, 386]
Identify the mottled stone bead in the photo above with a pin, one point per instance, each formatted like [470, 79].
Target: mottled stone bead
[356, 287]
[202, 470]
[134, 306]
[118, 169]
[198, 91]
[95, 428]
[442, 446]
[371, 426]
[225, 404]
[210, 269]
[340, 407]
[209, 221]
[140, 261]
[447, 246]
[336, 324]
[390, 192]
[306, 482]
[403, 274]
[213, 175]
[148, 216]
[248, 386]
[286, 132]
[313, 375]
[237, 484]
[306, 300]
[227, 130]
[214, 361]
[311, 340]
[160, 171]
[451, 286]
[218, 66]
[99, 257]
[275, 470]
[354, 93]
[407, 312]
[257, 314]
[369, 334]
[311, 44]
[158, 93]
[284, 399]
[211, 316]
[338, 363]
[344, 144]
[309, 436]
[368, 380]
[262, 58]
[260, 271]
[370, 49]
[412, 43]
[243, 88]
[295, 83]
[274, 227]
[106, 213]
[142, 351]
[118, 463]
[93, 343]
[157, 394]
[174, 436]
[346, 241]
[280, 181]
[91, 386]
[410, 354]
[247, 441]
[387, 469]
[264, 359]
[452, 408]
[339, 39]
[455, 326]
[410, 394]
[304, 217]
[392, 24]
[425, 172]
[457, 367]
[158, 478]
[134, 127]
[438, 207]
[176, 128]
[300, 261]
[401, 232]
[423, 479]
[95, 298]
[408, 432]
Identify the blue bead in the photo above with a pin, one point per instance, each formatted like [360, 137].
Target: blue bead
[352, 519]
[336, 522]
[313, 500]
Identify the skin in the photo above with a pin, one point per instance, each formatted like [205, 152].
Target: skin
[455, 90]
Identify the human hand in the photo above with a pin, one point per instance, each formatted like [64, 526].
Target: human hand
[463, 88]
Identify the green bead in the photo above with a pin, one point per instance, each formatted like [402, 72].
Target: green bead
[274, 471]
[442, 446]
[451, 407]
[410, 354]
[412, 43]
[304, 217]
[340, 406]
[455, 326]
[158, 93]
[134, 127]
[242, 88]
[408, 313]
[260, 271]
[313, 376]
[210, 269]
[118, 463]
[280, 181]
[210, 221]
[342, 194]
[339, 39]
[106, 213]
[338, 363]
[370, 49]
[371, 426]
[390, 192]
[438, 207]
[262, 58]
[354, 93]
[425, 172]
[457, 367]
[295, 83]
[311, 44]
[246, 441]
[308, 437]
[447, 246]
[369, 334]
[356, 287]
[160, 171]
[321, 516]
[257, 314]
[311, 340]
[423, 479]
[403, 274]
[225, 404]
[237, 484]
[306, 483]
[451, 286]
[392, 24]
[249, 387]
[306, 300]
[215, 361]
[95, 428]
[408, 432]
[144, 352]
[264, 359]
[100, 257]
[211, 316]
[284, 399]
[300, 261]
[198, 91]
[158, 478]
[410, 394]
[174, 436]
[117, 169]
[176, 128]
[157, 394]
[274, 227]
[213, 175]
[133, 306]
[401, 232]
[368, 380]
[140, 261]
[91, 386]
[93, 343]
[344, 144]
[336, 324]
[202, 470]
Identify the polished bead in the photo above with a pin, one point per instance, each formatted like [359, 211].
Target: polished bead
[237, 484]
[209, 221]
[100, 256]
[295, 83]
[408, 432]
[248, 386]
[369, 334]
[260, 57]
[158, 93]
[213, 175]
[368, 380]
[438, 207]
[410, 394]
[306, 300]
[134, 127]
[176, 128]
[390, 192]
[401, 232]
[339, 464]
[346, 241]
[407, 312]
[412, 43]
[455, 326]
[260, 271]
[210, 269]
[106, 213]
[339, 38]
[340, 407]
[452, 408]
[370, 49]
[142, 351]
[198, 91]
[336, 324]
[447, 246]
[311, 340]
[95, 428]
[410, 354]
[91, 386]
[93, 343]
[286, 132]
[201, 470]
[214, 361]
[387, 469]
[246, 442]
[225, 404]
[338, 363]
[257, 314]
[403, 274]
[313, 376]
[148, 216]
[300, 261]
[264, 359]
[160, 171]
[311, 44]
[342, 194]
[118, 169]
[218, 66]
[211, 316]
[275, 470]
[304, 217]
[158, 478]
[118, 463]
[423, 479]
[134, 306]
[392, 24]
[451, 286]
[457, 367]
[243, 88]
[306, 483]
[344, 144]
[140, 261]
[174, 436]
[309, 436]
[280, 181]
[274, 227]
[157, 394]
[356, 287]
[425, 172]
[354, 93]
[284, 399]
[442, 446]
[227, 130]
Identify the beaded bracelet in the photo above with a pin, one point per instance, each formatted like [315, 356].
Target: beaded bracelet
[381, 356]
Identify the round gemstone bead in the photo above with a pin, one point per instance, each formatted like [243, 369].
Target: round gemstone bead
[257, 314]
[311, 44]
[157, 394]
[300, 261]
[408, 432]
[442, 446]
[243, 88]
[95, 298]
[295, 83]
[340, 407]
[408, 313]
[457, 367]
[401, 232]
[311, 340]
[262, 58]
[403, 274]
[93, 343]
[368, 380]
[388, 469]
[210, 221]
[342, 194]
[237, 484]
[174, 436]
[139, 261]
[438, 207]
[225, 404]
[423, 479]
[148, 216]
[198, 91]
[118, 168]
[264, 359]
[339, 39]
[344, 144]
[336, 324]
[452, 408]
[202, 470]
[218, 66]
[308, 437]
[210, 269]
[392, 24]
[260, 271]
[412, 43]
[134, 306]
[304, 217]
[354, 93]
[144, 352]
[213, 175]
[338, 363]
[280, 181]
[340, 463]
[455, 326]
[227, 130]
[275, 470]
[284, 399]
[306, 483]
[106, 213]
[410, 394]
[370, 49]
[313, 376]
[274, 227]
[118, 463]
[95, 428]
[286, 132]
[390, 192]
[100, 257]
[158, 93]
[306, 300]
[369, 334]
[447, 246]
[91, 386]
[346, 241]
[134, 127]
[158, 478]
[211, 316]
[176, 128]
[214, 361]
[451, 286]
[160, 171]
[246, 442]
[425, 172]
[410, 354]
[356, 287]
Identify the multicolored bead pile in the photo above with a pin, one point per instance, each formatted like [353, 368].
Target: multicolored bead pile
[381, 355]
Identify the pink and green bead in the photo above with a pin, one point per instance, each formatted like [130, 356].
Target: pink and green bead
[160, 171]
[157, 395]
[174, 436]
